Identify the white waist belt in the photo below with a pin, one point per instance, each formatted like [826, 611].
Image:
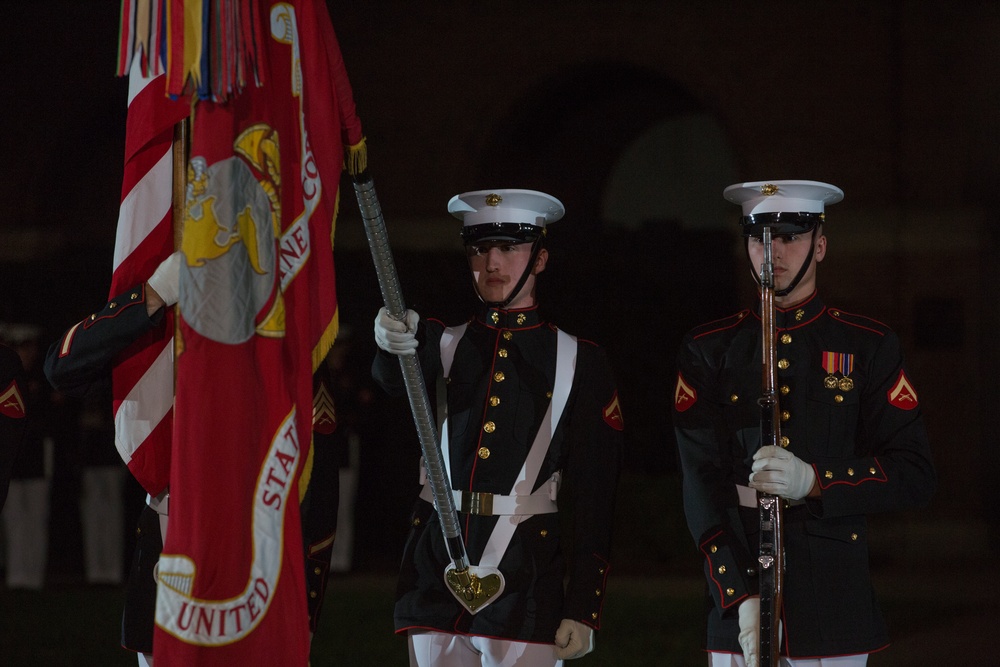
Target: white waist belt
[494, 504]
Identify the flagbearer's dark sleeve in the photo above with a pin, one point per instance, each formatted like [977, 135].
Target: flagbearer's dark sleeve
[82, 357]
[13, 385]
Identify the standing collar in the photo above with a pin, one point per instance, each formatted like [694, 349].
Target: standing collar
[517, 318]
[798, 315]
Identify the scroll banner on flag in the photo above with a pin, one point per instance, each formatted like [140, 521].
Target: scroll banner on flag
[258, 312]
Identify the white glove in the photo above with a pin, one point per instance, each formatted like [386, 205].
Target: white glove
[166, 281]
[573, 639]
[395, 336]
[780, 473]
[749, 637]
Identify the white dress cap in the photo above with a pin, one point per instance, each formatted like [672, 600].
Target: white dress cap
[783, 196]
[527, 207]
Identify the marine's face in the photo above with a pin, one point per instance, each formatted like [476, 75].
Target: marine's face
[497, 266]
[788, 253]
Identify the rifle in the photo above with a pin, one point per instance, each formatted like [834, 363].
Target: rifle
[772, 551]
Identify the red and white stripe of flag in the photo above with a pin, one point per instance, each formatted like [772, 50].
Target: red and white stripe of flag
[143, 377]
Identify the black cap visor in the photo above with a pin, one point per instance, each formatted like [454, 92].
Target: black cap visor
[515, 232]
[782, 223]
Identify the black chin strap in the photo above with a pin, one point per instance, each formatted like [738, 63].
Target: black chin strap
[802, 269]
[536, 246]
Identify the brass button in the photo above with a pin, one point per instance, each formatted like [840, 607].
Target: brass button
[484, 453]
[312, 594]
[318, 570]
[112, 305]
[498, 376]
[785, 390]
[594, 616]
[502, 352]
[828, 475]
[835, 313]
[730, 592]
[854, 537]
[722, 569]
[135, 295]
[786, 338]
[850, 472]
[785, 415]
[548, 394]
[713, 548]
[543, 532]
[489, 427]
[494, 401]
[838, 399]
[600, 570]
[734, 398]
[783, 364]
[521, 318]
[507, 335]
[416, 521]
[784, 441]
[598, 592]
[93, 317]
[871, 471]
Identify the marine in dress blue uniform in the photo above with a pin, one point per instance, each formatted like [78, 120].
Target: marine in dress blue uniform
[496, 391]
[851, 428]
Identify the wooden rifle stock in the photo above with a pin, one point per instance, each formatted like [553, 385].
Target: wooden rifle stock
[771, 558]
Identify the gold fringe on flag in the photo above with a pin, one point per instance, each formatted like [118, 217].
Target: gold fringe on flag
[357, 158]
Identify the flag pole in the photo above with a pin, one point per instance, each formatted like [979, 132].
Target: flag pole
[180, 149]
[471, 590]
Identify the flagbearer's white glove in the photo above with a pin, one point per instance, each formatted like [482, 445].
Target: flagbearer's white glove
[749, 637]
[394, 336]
[573, 639]
[166, 281]
[780, 473]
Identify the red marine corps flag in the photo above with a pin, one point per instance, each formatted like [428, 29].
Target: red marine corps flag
[257, 313]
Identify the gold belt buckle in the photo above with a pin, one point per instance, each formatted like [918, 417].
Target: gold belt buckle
[477, 502]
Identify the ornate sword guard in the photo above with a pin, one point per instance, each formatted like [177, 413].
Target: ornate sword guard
[475, 587]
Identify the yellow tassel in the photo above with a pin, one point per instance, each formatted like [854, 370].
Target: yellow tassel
[357, 158]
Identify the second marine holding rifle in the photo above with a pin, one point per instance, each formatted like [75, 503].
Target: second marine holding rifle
[852, 442]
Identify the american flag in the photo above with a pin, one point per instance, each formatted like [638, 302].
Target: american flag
[143, 375]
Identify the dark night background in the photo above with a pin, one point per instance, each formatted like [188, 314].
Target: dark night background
[636, 114]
